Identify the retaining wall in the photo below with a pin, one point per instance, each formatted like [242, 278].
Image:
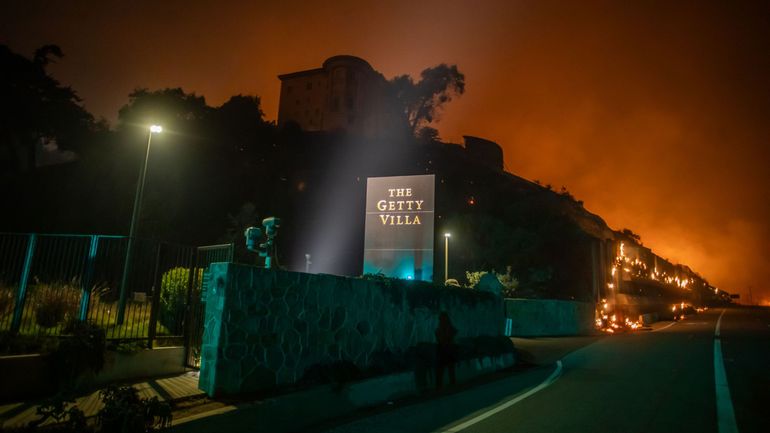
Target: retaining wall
[265, 328]
[548, 317]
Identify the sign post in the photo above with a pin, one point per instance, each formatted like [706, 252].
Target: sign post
[398, 241]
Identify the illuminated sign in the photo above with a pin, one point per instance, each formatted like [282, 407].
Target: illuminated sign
[399, 227]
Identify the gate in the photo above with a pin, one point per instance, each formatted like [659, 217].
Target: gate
[196, 306]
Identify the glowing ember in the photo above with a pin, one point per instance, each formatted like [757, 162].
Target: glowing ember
[616, 322]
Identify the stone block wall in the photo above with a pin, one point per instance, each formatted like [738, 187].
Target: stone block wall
[265, 328]
[549, 317]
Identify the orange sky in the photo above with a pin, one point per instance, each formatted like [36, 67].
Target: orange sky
[657, 115]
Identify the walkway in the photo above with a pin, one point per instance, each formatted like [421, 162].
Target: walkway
[171, 389]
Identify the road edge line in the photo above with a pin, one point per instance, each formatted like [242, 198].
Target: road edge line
[725, 412]
[717, 330]
[665, 327]
[505, 405]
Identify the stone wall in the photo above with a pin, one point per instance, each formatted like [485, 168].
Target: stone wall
[265, 327]
[548, 317]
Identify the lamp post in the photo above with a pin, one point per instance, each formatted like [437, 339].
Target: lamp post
[446, 255]
[154, 129]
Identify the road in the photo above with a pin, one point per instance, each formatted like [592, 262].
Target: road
[661, 381]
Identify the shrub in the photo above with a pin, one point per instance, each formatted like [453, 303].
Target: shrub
[125, 412]
[55, 304]
[7, 300]
[173, 297]
[509, 282]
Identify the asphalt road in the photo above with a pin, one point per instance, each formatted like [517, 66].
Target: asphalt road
[651, 382]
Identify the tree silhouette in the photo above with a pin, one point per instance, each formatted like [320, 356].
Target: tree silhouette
[422, 101]
[241, 125]
[42, 55]
[35, 108]
[185, 117]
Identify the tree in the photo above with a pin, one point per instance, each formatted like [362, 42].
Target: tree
[178, 112]
[426, 134]
[422, 101]
[35, 108]
[42, 55]
[247, 216]
[241, 125]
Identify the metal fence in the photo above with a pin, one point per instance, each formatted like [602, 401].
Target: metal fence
[196, 306]
[48, 281]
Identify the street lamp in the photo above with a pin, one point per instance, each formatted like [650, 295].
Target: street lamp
[154, 129]
[446, 255]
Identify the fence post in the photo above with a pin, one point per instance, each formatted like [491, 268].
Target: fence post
[22, 293]
[192, 276]
[158, 280]
[124, 281]
[85, 299]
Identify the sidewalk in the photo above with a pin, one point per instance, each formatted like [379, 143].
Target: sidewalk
[171, 389]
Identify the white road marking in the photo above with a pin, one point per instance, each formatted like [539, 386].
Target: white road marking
[719, 323]
[546, 383]
[667, 326]
[725, 414]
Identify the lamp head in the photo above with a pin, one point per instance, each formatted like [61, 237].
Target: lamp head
[156, 129]
[447, 235]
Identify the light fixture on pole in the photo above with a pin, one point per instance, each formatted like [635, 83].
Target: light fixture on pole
[446, 255]
[154, 129]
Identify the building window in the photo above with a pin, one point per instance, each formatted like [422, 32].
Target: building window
[288, 90]
[310, 85]
[336, 104]
[297, 101]
[349, 103]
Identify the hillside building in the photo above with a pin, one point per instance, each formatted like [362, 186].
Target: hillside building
[344, 93]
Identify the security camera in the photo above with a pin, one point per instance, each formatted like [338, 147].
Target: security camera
[265, 248]
[253, 236]
[271, 225]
